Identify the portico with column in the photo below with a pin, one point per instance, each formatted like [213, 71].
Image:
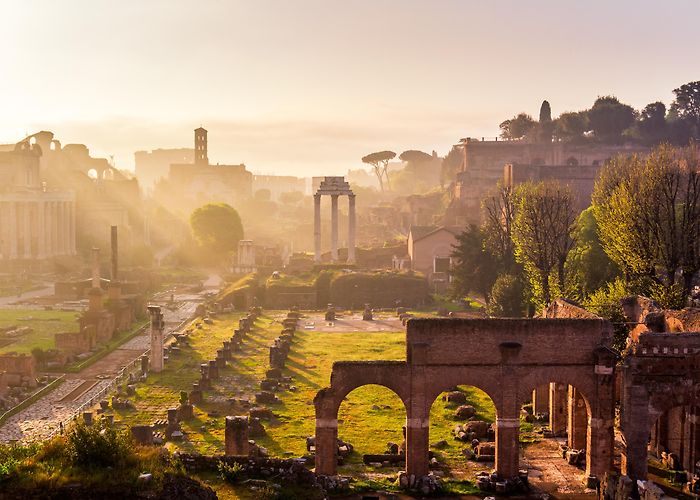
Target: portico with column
[334, 187]
[36, 225]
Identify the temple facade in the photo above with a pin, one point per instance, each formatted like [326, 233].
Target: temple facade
[36, 222]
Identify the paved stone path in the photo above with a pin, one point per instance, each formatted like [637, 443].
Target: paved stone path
[550, 473]
[42, 419]
[351, 323]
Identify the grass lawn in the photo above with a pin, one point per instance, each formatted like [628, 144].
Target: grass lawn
[44, 323]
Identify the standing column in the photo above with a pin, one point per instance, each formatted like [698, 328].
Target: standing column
[54, 228]
[27, 226]
[317, 228]
[334, 228]
[577, 426]
[72, 228]
[41, 230]
[64, 227]
[12, 210]
[351, 229]
[157, 325]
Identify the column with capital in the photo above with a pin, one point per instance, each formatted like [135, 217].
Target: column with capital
[12, 211]
[317, 228]
[72, 222]
[27, 226]
[54, 227]
[41, 230]
[351, 228]
[334, 228]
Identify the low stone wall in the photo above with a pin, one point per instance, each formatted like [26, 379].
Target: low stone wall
[291, 470]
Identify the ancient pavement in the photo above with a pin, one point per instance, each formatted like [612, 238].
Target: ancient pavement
[43, 418]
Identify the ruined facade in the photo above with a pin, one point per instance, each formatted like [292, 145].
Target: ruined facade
[334, 187]
[152, 166]
[37, 221]
[513, 357]
[484, 161]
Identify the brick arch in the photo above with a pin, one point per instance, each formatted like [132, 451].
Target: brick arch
[580, 378]
[442, 380]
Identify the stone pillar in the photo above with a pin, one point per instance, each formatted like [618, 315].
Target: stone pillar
[417, 445]
[334, 228]
[61, 228]
[577, 422]
[27, 225]
[96, 268]
[236, 436]
[317, 228]
[72, 232]
[326, 446]
[14, 235]
[41, 230]
[351, 228]
[507, 450]
[540, 400]
[600, 441]
[115, 254]
[54, 228]
[157, 326]
[558, 394]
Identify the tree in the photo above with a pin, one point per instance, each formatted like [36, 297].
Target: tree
[217, 227]
[546, 125]
[588, 266]
[652, 123]
[498, 214]
[542, 233]
[263, 194]
[451, 164]
[506, 298]
[517, 127]
[648, 212]
[609, 118]
[686, 106]
[571, 126]
[413, 156]
[291, 197]
[474, 269]
[380, 164]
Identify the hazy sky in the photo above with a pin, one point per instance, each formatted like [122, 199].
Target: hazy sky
[308, 87]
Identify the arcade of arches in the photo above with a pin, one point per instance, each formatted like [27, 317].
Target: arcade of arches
[512, 360]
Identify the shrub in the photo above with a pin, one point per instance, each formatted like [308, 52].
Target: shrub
[506, 298]
[99, 445]
[230, 473]
[11, 457]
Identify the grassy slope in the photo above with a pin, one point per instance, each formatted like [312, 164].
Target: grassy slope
[45, 324]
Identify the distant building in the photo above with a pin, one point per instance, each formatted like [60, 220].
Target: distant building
[430, 249]
[483, 166]
[278, 184]
[190, 185]
[152, 166]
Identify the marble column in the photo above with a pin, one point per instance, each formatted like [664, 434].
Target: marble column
[63, 228]
[72, 229]
[334, 228]
[317, 228]
[41, 230]
[351, 229]
[12, 210]
[54, 228]
[27, 230]
[96, 281]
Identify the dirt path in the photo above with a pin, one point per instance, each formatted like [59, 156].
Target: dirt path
[550, 473]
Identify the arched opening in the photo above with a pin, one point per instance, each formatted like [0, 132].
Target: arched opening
[674, 444]
[92, 174]
[572, 162]
[371, 419]
[462, 432]
[554, 441]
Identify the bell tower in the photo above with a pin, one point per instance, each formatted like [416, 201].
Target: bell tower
[200, 147]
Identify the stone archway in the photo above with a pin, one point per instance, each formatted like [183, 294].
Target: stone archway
[506, 358]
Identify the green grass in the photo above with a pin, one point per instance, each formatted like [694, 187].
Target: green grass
[44, 323]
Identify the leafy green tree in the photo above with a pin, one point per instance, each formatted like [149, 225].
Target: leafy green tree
[543, 234]
[506, 297]
[606, 303]
[217, 227]
[517, 127]
[652, 123]
[474, 269]
[686, 106]
[380, 163]
[451, 164]
[571, 126]
[588, 266]
[648, 213]
[498, 215]
[609, 118]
